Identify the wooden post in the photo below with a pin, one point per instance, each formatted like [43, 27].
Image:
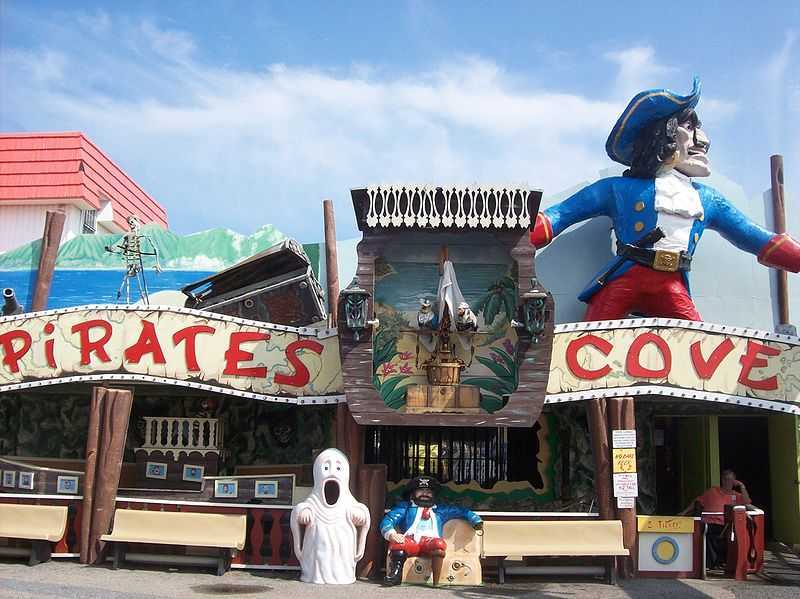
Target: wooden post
[92, 443]
[779, 218]
[113, 412]
[596, 416]
[372, 492]
[621, 416]
[51, 239]
[331, 260]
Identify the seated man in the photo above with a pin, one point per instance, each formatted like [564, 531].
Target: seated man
[414, 528]
[730, 491]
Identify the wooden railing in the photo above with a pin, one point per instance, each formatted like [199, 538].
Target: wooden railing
[188, 434]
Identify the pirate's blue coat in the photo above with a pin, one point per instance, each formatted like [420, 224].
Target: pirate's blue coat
[402, 516]
[630, 204]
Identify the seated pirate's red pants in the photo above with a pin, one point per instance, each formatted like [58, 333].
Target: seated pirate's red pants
[425, 546]
[642, 289]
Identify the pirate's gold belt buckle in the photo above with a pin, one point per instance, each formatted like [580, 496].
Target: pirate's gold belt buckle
[666, 261]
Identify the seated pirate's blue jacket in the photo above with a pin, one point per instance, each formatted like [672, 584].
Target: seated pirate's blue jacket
[630, 204]
[401, 516]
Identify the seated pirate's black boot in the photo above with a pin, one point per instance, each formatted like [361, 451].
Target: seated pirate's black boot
[394, 571]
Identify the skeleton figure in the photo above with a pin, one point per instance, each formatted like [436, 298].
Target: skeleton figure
[131, 248]
[336, 524]
[465, 318]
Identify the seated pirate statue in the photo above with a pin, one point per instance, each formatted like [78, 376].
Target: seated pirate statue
[658, 212]
[414, 528]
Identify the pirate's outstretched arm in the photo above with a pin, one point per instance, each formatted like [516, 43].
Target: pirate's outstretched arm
[392, 519]
[772, 249]
[589, 202]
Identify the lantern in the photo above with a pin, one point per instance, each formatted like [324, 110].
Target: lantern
[355, 308]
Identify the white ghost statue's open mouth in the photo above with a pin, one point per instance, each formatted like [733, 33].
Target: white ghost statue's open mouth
[331, 491]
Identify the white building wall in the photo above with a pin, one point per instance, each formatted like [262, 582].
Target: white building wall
[21, 224]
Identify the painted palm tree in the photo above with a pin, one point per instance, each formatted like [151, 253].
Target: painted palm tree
[500, 298]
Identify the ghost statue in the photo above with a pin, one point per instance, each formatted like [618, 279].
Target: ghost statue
[336, 525]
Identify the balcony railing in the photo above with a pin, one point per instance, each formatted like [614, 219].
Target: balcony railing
[164, 433]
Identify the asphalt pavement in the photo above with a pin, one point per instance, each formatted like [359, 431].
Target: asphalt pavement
[69, 580]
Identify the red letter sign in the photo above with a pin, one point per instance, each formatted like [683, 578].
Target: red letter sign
[635, 368]
[146, 344]
[300, 377]
[189, 334]
[236, 354]
[600, 344]
[706, 369]
[98, 346]
[751, 360]
[13, 356]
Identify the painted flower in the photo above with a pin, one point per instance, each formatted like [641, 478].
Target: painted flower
[388, 369]
[509, 347]
[405, 369]
[496, 358]
[406, 355]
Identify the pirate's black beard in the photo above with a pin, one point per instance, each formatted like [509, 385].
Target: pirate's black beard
[424, 501]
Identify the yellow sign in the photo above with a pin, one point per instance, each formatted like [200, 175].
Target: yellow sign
[673, 524]
[624, 460]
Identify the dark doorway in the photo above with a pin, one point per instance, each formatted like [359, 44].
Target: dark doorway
[668, 474]
[744, 448]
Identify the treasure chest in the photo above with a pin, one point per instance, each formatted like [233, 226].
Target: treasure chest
[277, 285]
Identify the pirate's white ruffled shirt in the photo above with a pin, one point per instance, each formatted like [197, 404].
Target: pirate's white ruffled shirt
[677, 205]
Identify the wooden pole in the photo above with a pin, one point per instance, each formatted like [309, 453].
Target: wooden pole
[51, 239]
[779, 218]
[331, 260]
[621, 416]
[114, 412]
[92, 443]
[372, 492]
[596, 417]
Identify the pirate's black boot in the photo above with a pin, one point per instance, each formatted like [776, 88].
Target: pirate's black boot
[394, 571]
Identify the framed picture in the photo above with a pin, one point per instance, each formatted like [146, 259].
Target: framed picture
[226, 488]
[10, 478]
[193, 473]
[67, 484]
[266, 489]
[25, 480]
[156, 470]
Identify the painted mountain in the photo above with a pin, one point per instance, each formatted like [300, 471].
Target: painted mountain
[209, 250]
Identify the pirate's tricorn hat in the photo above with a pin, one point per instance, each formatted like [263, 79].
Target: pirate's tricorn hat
[645, 107]
[422, 482]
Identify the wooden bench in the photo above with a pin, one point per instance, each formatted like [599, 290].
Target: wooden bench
[584, 538]
[216, 531]
[39, 524]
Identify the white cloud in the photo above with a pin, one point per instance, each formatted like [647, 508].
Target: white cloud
[638, 70]
[238, 148]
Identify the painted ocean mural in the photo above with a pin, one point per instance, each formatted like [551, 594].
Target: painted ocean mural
[87, 274]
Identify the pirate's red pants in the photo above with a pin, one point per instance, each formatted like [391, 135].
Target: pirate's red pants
[654, 293]
[425, 546]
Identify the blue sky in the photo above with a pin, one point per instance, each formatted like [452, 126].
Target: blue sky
[237, 114]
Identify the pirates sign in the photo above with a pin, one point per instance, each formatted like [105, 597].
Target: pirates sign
[171, 345]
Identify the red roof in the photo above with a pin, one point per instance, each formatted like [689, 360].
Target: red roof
[56, 166]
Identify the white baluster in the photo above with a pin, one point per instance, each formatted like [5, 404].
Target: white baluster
[511, 215]
[384, 218]
[461, 214]
[497, 219]
[433, 216]
[447, 215]
[472, 218]
[372, 214]
[524, 217]
[486, 218]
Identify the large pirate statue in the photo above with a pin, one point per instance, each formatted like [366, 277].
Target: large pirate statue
[658, 212]
[414, 527]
